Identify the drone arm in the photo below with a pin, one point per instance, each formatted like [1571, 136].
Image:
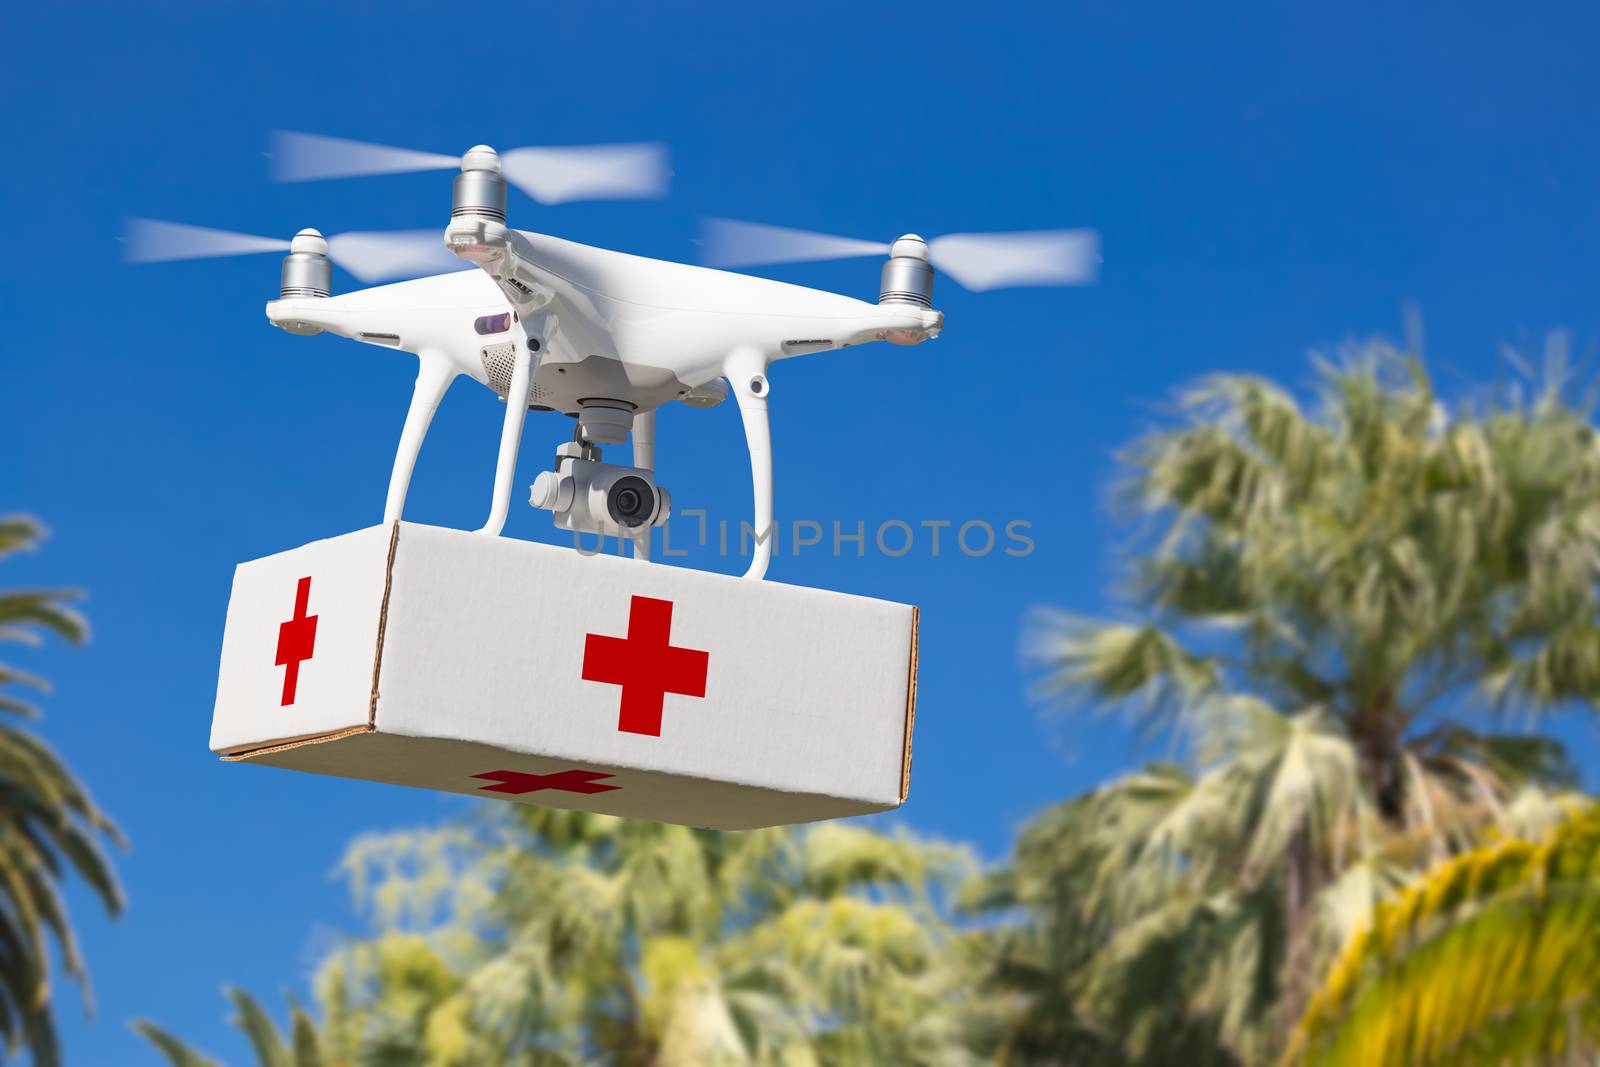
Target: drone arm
[644, 440]
[644, 457]
[435, 372]
[746, 371]
[510, 438]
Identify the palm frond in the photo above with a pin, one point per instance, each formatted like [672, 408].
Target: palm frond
[1491, 959]
[49, 825]
[268, 1043]
[177, 1053]
[1142, 668]
[19, 533]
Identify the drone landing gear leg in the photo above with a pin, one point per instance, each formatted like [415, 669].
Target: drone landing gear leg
[747, 373]
[434, 375]
[510, 439]
[644, 457]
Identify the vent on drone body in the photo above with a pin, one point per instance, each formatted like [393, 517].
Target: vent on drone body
[499, 361]
[306, 269]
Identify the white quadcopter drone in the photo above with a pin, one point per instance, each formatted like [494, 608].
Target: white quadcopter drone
[604, 337]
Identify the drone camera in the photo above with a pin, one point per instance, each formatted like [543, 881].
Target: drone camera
[632, 501]
[907, 276]
[587, 496]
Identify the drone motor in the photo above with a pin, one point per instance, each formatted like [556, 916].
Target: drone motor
[306, 269]
[480, 188]
[907, 276]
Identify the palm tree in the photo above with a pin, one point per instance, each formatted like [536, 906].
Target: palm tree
[48, 826]
[1489, 960]
[548, 938]
[1329, 612]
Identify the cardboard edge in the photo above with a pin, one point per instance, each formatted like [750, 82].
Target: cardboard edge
[240, 755]
[292, 757]
[911, 708]
[383, 622]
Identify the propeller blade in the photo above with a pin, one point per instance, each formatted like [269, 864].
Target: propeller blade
[742, 244]
[980, 261]
[378, 256]
[588, 172]
[549, 175]
[303, 157]
[153, 241]
[369, 256]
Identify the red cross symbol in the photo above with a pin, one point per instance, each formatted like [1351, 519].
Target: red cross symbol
[517, 783]
[645, 665]
[296, 640]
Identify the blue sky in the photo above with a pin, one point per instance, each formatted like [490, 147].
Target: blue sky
[1268, 178]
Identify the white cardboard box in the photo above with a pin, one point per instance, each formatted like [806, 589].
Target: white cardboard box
[503, 668]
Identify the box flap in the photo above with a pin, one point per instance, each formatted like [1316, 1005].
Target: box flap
[448, 766]
[302, 646]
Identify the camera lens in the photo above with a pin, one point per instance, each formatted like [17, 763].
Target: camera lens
[630, 501]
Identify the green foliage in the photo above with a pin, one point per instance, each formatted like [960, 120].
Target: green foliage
[1330, 612]
[639, 943]
[549, 938]
[49, 826]
[1491, 959]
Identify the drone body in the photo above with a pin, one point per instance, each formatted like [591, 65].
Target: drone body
[599, 335]
[605, 337]
[607, 325]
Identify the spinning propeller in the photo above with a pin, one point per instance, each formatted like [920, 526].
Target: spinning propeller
[978, 261]
[370, 256]
[549, 175]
